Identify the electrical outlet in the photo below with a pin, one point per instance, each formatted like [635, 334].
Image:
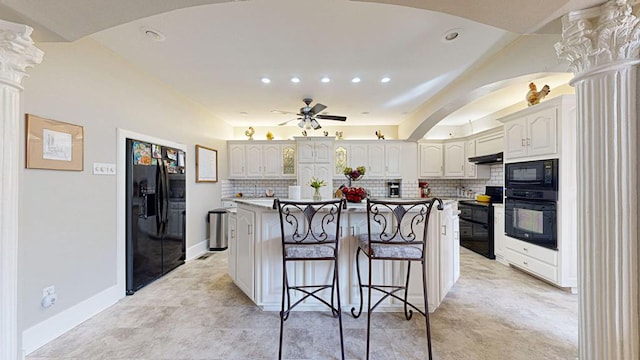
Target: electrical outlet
[49, 296]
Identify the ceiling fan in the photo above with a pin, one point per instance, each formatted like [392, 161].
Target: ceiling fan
[308, 115]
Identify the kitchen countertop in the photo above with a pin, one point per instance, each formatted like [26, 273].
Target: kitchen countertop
[266, 202]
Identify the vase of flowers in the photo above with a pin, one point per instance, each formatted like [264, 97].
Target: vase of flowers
[316, 184]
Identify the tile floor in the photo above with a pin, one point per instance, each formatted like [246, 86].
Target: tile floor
[196, 312]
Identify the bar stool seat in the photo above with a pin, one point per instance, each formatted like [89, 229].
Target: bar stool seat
[394, 249]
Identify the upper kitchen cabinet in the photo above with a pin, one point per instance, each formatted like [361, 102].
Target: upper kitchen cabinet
[430, 159]
[312, 150]
[349, 154]
[237, 160]
[261, 159]
[532, 132]
[384, 159]
[454, 159]
[381, 158]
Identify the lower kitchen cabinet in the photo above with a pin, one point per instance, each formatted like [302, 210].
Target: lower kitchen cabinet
[233, 244]
[245, 251]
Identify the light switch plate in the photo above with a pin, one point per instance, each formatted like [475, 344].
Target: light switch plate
[104, 169]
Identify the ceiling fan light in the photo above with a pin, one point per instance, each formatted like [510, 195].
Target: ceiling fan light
[295, 79]
[325, 79]
[301, 123]
[315, 125]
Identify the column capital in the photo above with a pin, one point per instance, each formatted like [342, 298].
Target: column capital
[17, 52]
[596, 37]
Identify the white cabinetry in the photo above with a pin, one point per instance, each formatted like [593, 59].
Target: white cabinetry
[264, 250]
[430, 158]
[548, 130]
[245, 251]
[454, 159]
[237, 160]
[382, 159]
[315, 160]
[232, 253]
[349, 154]
[319, 151]
[261, 159]
[498, 233]
[449, 160]
[532, 134]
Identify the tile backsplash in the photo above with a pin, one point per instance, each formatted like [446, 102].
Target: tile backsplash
[376, 188]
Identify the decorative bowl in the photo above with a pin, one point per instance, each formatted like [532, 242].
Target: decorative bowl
[483, 198]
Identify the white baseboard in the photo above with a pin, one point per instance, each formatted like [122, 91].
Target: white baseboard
[197, 250]
[40, 334]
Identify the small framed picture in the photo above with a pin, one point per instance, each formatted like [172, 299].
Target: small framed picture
[54, 145]
[206, 164]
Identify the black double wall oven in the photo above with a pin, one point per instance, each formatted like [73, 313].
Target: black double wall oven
[531, 190]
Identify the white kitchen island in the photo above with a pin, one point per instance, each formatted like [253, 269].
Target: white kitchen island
[255, 262]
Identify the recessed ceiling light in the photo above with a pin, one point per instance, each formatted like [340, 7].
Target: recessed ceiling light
[244, 113]
[153, 34]
[355, 80]
[325, 79]
[265, 80]
[385, 79]
[451, 35]
[295, 79]
[365, 113]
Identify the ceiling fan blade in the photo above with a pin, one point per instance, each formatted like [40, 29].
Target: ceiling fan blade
[281, 112]
[317, 108]
[332, 117]
[286, 122]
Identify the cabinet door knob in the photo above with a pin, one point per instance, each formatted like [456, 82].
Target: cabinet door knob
[522, 142]
[444, 229]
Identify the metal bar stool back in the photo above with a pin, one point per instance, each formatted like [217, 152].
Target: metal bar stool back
[310, 232]
[396, 230]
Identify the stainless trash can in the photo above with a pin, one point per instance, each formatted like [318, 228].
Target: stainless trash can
[217, 220]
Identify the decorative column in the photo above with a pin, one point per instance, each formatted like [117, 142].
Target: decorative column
[17, 52]
[601, 45]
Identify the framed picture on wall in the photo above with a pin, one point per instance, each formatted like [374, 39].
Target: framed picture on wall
[54, 145]
[206, 164]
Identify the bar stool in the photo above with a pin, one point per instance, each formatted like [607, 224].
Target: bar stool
[310, 232]
[396, 230]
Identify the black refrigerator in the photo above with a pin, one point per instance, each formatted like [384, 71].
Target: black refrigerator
[156, 212]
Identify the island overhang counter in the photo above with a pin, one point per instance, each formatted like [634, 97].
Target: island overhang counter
[255, 262]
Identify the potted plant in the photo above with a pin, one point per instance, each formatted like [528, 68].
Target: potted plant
[317, 184]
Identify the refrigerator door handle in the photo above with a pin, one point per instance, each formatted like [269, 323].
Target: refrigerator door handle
[158, 204]
[165, 198]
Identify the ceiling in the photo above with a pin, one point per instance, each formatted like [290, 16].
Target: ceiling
[216, 52]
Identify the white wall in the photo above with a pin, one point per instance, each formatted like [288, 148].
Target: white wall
[68, 219]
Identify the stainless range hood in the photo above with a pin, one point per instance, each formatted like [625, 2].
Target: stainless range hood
[487, 159]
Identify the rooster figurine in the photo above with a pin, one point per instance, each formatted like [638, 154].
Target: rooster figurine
[534, 96]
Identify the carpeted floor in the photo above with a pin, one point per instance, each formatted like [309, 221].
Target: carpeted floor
[196, 312]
